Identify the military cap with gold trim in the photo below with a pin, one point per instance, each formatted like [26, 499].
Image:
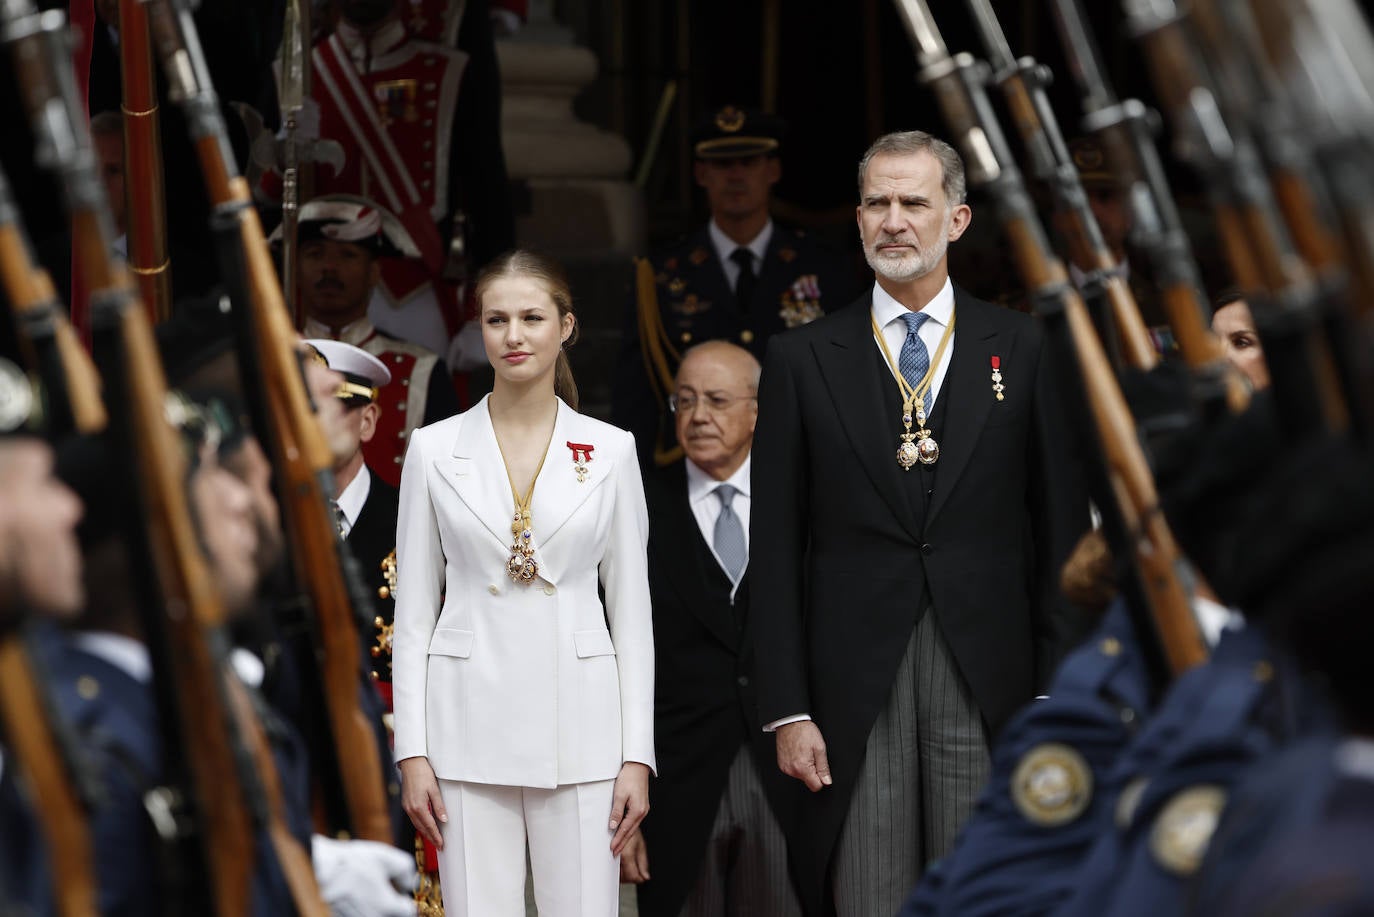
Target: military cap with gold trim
[363, 373]
[732, 132]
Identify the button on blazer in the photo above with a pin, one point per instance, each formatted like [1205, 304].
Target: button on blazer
[534, 684]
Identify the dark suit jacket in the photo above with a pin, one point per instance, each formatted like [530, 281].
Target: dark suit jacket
[704, 703]
[696, 303]
[852, 547]
[371, 539]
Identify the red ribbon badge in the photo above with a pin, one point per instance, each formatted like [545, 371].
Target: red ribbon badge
[997, 386]
[582, 454]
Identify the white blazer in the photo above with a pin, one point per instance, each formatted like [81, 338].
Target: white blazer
[522, 685]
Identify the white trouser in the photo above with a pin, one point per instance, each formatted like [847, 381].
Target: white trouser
[482, 865]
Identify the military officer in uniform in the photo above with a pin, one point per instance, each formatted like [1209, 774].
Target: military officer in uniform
[364, 505]
[343, 243]
[740, 278]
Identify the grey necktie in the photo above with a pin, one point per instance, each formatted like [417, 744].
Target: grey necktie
[340, 520]
[729, 535]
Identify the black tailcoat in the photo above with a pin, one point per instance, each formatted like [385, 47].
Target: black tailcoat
[851, 547]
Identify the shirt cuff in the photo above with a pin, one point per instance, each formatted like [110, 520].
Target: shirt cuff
[798, 718]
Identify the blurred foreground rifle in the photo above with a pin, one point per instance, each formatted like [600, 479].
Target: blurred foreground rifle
[215, 746]
[47, 759]
[301, 457]
[34, 334]
[1126, 130]
[1164, 576]
[1278, 284]
[1321, 56]
[146, 214]
[1023, 84]
[43, 337]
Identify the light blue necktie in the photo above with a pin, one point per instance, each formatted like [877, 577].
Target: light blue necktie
[729, 534]
[915, 359]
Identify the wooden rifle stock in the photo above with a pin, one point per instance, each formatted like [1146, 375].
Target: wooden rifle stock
[52, 348]
[26, 724]
[146, 213]
[301, 456]
[958, 86]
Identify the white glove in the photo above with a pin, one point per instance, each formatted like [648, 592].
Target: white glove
[466, 351]
[363, 878]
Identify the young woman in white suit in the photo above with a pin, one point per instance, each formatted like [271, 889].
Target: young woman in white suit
[523, 708]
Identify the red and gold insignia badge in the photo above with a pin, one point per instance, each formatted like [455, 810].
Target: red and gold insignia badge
[698, 256]
[581, 455]
[729, 119]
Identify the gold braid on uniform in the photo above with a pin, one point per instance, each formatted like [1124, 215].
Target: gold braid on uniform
[655, 347]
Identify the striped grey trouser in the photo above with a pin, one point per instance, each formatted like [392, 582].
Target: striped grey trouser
[925, 762]
[744, 872]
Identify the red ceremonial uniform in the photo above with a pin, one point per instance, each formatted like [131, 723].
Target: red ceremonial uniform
[390, 103]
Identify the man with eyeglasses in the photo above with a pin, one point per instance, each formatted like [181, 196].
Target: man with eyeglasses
[712, 844]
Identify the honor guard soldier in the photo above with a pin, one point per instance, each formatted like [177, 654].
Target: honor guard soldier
[364, 505]
[420, 124]
[39, 577]
[1048, 797]
[739, 278]
[344, 243]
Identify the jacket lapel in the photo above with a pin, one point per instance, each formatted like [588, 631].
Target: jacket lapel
[860, 388]
[685, 555]
[558, 493]
[968, 386]
[477, 473]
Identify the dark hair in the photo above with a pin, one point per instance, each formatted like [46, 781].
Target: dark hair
[549, 273]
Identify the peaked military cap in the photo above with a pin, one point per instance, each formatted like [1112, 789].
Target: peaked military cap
[731, 132]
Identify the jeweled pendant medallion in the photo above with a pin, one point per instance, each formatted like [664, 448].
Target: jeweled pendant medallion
[521, 567]
[908, 453]
[927, 449]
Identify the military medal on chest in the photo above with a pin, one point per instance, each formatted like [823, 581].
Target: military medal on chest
[919, 445]
[582, 454]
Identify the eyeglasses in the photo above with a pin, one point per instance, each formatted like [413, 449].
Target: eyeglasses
[686, 404]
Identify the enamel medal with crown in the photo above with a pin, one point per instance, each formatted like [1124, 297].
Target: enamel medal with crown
[521, 566]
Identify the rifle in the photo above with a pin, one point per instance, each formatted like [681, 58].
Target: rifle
[1165, 577]
[1126, 131]
[301, 457]
[43, 336]
[47, 758]
[1279, 285]
[147, 223]
[1023, 83]
[1320, 56]
[183, 619]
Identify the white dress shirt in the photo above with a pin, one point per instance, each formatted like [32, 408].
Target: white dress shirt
[725, 247]
[887, 312]
[701, 494]
[353, 497]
